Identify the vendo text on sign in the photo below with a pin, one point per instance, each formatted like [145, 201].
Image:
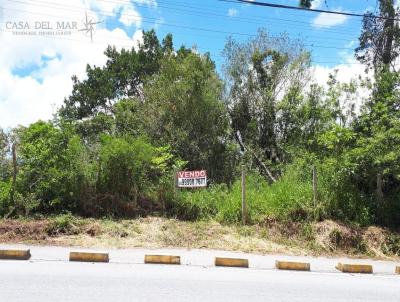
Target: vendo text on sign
[192, 179]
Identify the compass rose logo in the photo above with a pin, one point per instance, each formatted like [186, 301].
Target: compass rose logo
[89, 26]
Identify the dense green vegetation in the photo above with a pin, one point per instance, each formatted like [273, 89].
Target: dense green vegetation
[113, 147]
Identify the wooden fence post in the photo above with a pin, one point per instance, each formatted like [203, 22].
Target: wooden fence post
[14, 175]
[175, 182]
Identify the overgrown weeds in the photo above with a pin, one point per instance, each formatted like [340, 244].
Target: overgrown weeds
[65, 224]
[290, 198]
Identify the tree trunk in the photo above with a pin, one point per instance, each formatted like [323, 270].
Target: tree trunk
[244, 208]
[272, 179]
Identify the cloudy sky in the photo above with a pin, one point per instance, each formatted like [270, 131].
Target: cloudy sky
[36, 62]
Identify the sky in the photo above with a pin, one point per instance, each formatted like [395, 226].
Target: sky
[37, 60]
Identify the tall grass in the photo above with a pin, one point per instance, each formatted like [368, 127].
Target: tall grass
[289, 198]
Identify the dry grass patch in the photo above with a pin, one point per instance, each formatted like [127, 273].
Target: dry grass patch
[323, 238]
[15, 230]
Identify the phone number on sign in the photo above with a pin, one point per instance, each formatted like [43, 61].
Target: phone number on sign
[192, 182]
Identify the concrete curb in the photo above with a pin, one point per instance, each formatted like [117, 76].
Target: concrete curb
[355, 268]
[20, 252]
[88, 257]
[15, 254]
[294, 266]
[162, 259]
[231, 262]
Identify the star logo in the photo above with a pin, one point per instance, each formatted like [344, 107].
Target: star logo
[89, 26]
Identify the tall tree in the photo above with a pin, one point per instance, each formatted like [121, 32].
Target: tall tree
[380, 38]
[122, 76]
[265, 78]
[377, 128]
[183, 109]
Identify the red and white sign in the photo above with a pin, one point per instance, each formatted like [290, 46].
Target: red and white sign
[192, 179]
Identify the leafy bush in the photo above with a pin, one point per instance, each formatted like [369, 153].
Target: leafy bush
[51, 166]
[25, 204]
[391, 246]
[339, 197]
[5, 188]
[63, 224]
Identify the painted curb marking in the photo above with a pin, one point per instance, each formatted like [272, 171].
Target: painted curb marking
[355, 268]
[162, 259]
[231, 262]
[88, 257]
[15, 254]
[295, 266]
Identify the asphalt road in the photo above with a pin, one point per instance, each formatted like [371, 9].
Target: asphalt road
[68, 281]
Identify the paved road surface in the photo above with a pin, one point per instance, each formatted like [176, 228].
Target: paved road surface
[58, 281]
